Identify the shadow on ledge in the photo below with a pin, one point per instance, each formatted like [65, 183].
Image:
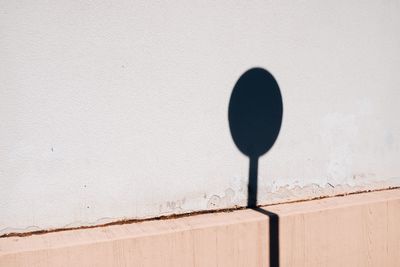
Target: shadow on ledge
[255, 118]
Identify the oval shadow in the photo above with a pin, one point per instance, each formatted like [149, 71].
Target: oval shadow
[255, 118]
[255, 112]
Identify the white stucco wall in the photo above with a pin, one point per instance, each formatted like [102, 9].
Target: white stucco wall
[118, 109]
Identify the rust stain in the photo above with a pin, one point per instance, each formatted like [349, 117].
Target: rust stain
[176, 216]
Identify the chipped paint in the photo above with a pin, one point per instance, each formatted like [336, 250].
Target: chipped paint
[217, 202]
[284, 194]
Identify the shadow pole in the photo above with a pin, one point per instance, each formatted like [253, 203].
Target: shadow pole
[252, 186]
[273, 217]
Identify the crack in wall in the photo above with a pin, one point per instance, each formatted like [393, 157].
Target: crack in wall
[110, 221]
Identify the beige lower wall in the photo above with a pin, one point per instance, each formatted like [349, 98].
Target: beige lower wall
[354, 230]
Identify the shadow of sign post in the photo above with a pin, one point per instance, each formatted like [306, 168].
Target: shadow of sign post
[255, 118]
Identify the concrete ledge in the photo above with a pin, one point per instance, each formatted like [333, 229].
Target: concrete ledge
[354, 230]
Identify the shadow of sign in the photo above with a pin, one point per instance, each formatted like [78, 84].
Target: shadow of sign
[255, 118]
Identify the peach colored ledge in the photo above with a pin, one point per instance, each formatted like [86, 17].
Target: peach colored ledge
[354, 230]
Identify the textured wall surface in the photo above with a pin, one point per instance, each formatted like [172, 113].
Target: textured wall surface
[355, 230]
[119, 109]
